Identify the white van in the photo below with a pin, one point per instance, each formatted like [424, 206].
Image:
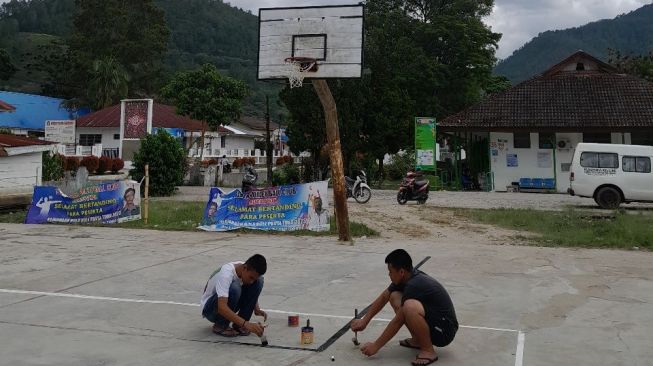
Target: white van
[612, 173]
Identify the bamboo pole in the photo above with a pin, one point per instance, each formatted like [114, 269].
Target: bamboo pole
[146, 199]
[335, 152]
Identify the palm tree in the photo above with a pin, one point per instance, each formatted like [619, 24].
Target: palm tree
[108, 84]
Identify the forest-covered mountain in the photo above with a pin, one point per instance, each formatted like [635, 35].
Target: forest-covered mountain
[201, 31]
[630, 33]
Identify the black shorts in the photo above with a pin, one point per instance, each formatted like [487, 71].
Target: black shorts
[442, 329]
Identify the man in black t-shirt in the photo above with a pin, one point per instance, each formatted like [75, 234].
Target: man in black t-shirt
[420, 302]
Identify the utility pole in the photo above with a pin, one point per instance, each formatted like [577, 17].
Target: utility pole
[268, 146]
[335, 153]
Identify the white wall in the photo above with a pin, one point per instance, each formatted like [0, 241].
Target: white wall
[527, 160]
[107, 135]
[19, 173]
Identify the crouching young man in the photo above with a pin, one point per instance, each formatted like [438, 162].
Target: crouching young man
[420, 302]
[231, 296]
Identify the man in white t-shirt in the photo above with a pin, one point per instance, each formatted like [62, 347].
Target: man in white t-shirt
[231, 296]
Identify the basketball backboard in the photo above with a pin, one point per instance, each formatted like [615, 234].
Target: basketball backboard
[332, 35]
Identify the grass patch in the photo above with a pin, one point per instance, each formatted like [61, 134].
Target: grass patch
[185, 216]
[573, 228]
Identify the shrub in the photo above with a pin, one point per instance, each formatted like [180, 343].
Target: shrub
[71, 164]
[238, 162]
[91, 163]
[400, 165]
[104, 165]
[166, 159]
[286, 159]
[52, 166]
[116, 165]
[287, 174]
[207, 162]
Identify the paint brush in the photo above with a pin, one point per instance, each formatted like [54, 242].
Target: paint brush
[355, 339]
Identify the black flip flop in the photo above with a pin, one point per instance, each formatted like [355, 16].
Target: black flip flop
[430, 361]
[406, 343]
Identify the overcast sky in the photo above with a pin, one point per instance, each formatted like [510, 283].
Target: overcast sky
[517, 20]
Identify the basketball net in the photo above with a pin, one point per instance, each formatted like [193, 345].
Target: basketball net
[297, 69]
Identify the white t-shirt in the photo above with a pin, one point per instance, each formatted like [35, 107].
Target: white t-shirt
[220, 282]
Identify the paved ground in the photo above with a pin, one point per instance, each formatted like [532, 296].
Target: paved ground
[102, 296]
[465, 200]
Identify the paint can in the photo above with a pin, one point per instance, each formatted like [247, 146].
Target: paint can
[307, 333]
[293, 320]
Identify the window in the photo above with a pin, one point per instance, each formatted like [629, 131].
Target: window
[90, 139]
[116, 136]
[641, 138]
[223, 142]
[599, 160]
[636, 164]
[599, 138]
[547, 140]
[580, 66]
[521, 140]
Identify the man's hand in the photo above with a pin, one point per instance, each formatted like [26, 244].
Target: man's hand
[369, 349]
[358, 325]
[262, 313]
[254, 328]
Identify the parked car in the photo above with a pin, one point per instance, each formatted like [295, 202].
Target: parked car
[612, 173]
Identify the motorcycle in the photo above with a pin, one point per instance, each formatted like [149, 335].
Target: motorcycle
[249, 180]
[358, 189]
[414, 187]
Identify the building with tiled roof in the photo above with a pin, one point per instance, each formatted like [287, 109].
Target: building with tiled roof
[531, 129]
[20, 164]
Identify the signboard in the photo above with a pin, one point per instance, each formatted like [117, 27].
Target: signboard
[135, 118]
[425, 143]
[105, 203]
[284, 208]
[512, 160]
[62, 132]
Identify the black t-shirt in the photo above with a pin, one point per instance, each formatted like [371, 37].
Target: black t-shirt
[429, 292]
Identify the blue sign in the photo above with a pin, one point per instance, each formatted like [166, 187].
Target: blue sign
[98, 203]
[284, 208]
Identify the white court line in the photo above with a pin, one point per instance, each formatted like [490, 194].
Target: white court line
[519, 355]
[117, 299]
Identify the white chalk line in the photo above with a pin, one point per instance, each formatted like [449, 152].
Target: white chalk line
[140, 301]
[519, 354]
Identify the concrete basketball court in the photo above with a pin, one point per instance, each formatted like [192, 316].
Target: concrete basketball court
[103, 296]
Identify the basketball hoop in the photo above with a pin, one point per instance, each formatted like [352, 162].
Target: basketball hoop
[297, 69]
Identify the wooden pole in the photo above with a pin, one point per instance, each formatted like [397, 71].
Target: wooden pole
[146, 199]
[268, 147]
[335, 152]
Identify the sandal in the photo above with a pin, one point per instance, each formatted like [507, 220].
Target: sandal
[428, 361]
[406, 343]
[225, 332]
[242, 331]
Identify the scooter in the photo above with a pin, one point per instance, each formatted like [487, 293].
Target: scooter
[414, 187]
[249, 180]
[358, 189]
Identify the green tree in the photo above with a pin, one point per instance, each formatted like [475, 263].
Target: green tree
[637, 65]
[7, 69]
[108, 83]
[166, 160]
[132, 32]
[206, 95]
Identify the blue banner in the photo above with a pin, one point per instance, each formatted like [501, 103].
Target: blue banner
[105, 203]
[284, 208]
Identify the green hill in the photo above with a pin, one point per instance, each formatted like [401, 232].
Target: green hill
[202, 31]
[627, 33]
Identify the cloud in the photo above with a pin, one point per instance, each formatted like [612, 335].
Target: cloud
[519, 21]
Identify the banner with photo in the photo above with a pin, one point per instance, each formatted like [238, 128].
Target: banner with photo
[425, 143]
[105, 203]
[283, 208]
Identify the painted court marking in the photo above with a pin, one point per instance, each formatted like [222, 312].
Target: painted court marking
[519, 353]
